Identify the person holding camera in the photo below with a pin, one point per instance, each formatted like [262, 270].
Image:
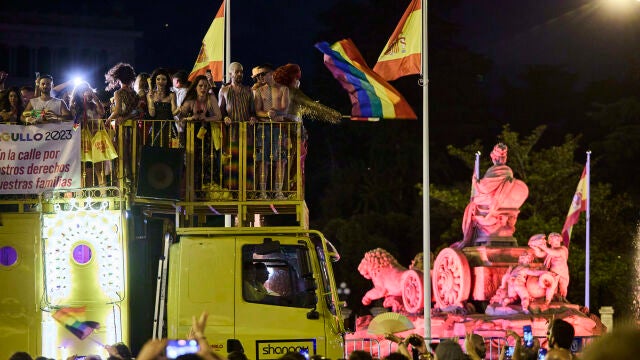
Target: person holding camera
[419, 350]
[520, 351]
[156, 348]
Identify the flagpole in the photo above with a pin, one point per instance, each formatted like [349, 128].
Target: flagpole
[227, 39]
[587, 231]
[426, 228]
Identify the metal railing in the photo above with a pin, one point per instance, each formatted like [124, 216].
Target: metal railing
[380, 348]
[223, 163]
[259, 164]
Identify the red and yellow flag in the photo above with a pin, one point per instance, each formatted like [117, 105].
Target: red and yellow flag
[402, 54]
[578, 205]
[211, 53]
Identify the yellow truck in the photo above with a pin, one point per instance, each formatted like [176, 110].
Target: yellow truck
[295, 311]
[73, 260]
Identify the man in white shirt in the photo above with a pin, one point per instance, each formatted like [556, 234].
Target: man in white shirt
[45, 108]
[180, 85]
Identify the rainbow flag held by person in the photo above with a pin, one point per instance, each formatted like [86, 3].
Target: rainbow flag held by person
[73, 319]
[578, 205]
[371, 96]
[403, 53]
[211, 55]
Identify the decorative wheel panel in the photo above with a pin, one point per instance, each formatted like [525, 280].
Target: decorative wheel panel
[412, 291]
[451, 278]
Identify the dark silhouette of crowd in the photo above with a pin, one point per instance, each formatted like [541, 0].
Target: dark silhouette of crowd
[621, 343]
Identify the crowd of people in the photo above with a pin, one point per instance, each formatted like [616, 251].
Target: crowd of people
[622, 343]
[170, 101]
[160, 95]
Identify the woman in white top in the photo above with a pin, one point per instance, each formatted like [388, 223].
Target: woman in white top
[88, 111]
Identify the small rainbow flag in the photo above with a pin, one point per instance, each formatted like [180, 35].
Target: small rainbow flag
[73, 320]
[371, 96]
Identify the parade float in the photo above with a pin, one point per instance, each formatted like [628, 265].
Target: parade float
[486, 283]
[81, 264]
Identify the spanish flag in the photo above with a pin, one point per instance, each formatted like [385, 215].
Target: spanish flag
[371, 96]
[578, 205]
[211, 53]
[402, 54]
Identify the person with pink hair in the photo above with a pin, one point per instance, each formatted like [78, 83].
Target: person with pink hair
[294, 105]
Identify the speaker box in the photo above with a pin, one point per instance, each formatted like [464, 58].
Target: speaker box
[160, 173]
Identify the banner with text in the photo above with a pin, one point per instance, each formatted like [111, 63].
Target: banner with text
[38, 158]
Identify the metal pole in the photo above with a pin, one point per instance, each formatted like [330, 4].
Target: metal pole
[227, 39]
[587, 249]
[426, 228]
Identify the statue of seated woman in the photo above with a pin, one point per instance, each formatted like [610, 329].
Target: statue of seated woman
[495, 203]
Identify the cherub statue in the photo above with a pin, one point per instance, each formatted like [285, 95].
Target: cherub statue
[514, 284]
[556, 256]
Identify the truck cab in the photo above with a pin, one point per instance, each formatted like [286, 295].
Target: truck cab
[269, 292]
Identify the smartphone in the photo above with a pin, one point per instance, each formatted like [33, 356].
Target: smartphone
[527, 336]
[509, 353]
[542, 353]
[576, 345]
[176, 348]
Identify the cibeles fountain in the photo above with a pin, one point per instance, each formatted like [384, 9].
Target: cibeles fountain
[516, 285]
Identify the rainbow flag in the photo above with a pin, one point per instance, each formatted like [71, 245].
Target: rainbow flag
[371, 96]
[73, 320]
[211, 53]
[403, 53]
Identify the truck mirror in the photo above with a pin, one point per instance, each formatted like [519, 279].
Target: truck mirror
[313, 314]
[267, 247]
[334, 255]
[309, 298]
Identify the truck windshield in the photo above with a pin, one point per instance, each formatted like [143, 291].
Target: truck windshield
[282, 278]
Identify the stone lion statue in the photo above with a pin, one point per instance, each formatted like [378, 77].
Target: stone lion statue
[386, 274]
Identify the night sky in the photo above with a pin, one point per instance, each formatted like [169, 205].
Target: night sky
[595, 38]
[589, 37]
[261, 31]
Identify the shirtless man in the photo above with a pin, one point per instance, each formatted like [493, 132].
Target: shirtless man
[237, 105]
[47, 108]
[269, 142]
[236, 99]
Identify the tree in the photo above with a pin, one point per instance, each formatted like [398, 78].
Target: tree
[614, 136]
